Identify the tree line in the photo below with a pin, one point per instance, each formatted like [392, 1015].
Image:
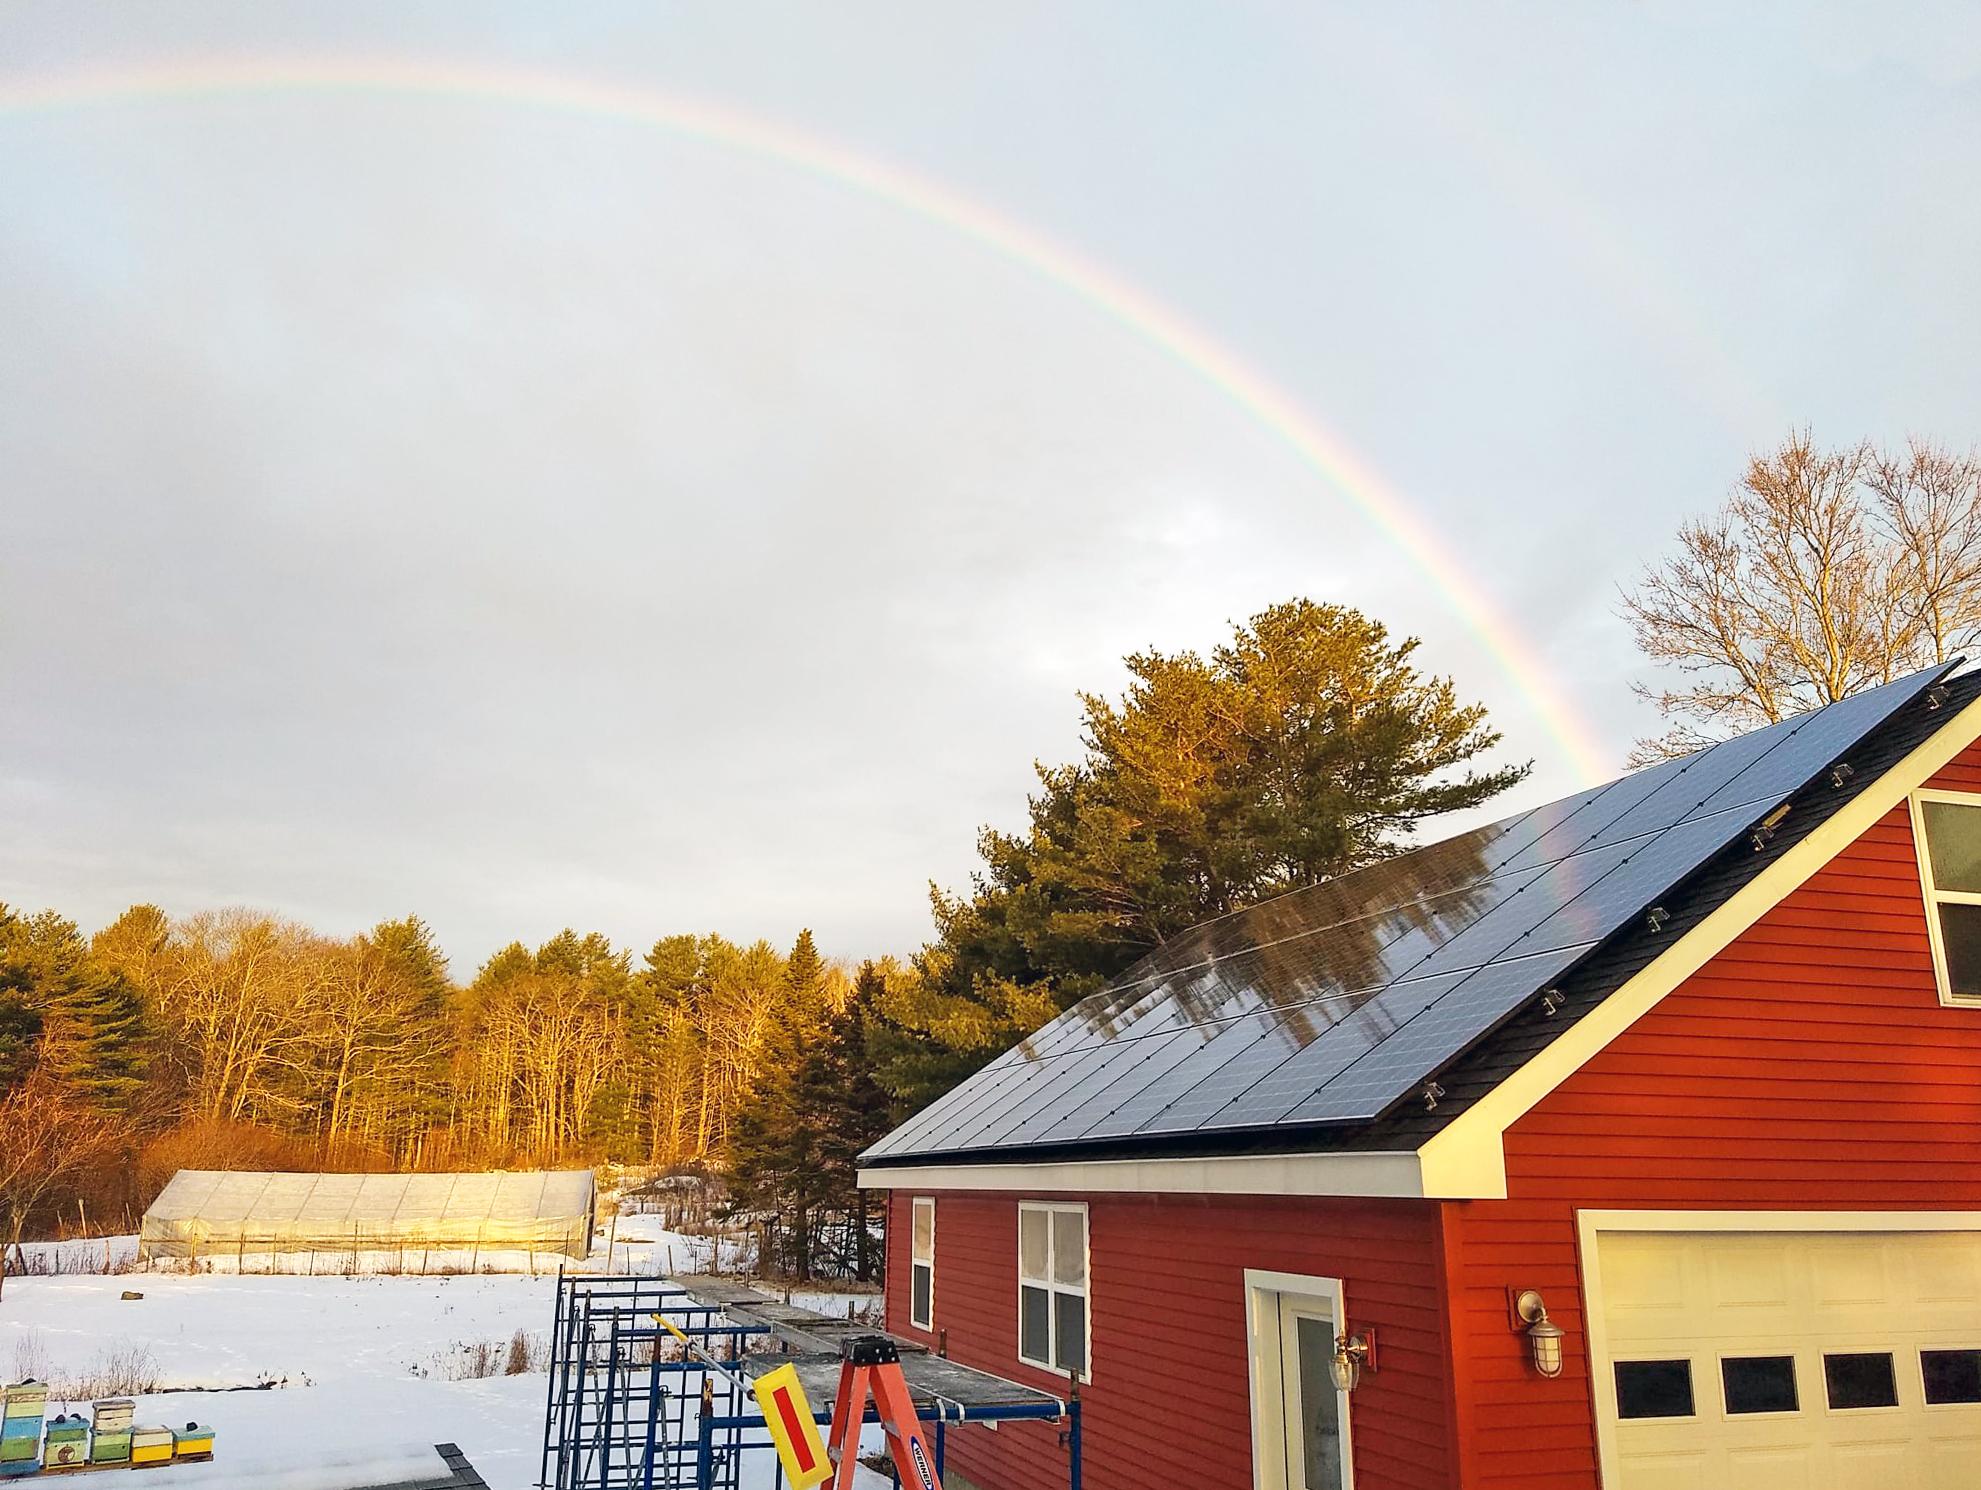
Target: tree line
[238, 1039]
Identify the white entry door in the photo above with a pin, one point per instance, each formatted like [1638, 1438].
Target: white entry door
[1315, 1410]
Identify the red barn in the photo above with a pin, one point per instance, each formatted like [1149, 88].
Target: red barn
[1629, 1142]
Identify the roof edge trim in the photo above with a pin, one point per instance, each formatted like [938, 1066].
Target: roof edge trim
[1397, 1174]
[1483, 1125]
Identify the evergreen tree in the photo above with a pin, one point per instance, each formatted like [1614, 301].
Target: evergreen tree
[89, 1016]
[1306, 746]
[793, 1148]
[409, 947]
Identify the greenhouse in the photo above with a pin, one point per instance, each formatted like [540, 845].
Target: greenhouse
[203, 1212]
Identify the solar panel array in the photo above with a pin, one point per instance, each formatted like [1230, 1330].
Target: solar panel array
[1333, 1003]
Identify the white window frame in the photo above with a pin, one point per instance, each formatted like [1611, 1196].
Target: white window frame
[921, 1262]
[1934, 896]
[1086, 1294]
[1264, 1353]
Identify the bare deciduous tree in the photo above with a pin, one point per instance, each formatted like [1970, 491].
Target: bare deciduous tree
[1825, 572]
[47, 1139]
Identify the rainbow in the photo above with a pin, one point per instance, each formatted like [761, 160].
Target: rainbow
[698, 119]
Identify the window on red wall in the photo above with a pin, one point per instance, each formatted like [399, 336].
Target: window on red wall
[921, 1265]
[1948, 827]
[1054, 1329]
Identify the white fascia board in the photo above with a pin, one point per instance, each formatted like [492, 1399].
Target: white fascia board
[1349, 1174]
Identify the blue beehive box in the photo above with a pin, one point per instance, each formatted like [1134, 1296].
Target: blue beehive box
[21, 1409]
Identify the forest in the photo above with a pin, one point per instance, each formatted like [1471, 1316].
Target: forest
[1307, 744]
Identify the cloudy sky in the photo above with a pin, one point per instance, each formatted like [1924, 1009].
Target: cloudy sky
[662, 467]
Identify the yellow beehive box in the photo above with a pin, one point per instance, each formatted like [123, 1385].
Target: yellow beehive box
[151, 1446]
[194, 1441]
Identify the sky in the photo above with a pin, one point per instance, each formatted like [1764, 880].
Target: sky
[656, 467]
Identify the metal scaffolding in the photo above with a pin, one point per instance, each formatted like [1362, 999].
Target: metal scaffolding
[629, 1397]
[649, 1385]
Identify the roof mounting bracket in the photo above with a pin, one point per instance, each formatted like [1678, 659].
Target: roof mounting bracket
[1432, 1091]
[1656, 917]
[1936, 696]
[1551, 1002]
[1764, 830]
[1841, 772]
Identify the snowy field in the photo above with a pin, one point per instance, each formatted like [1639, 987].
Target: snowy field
[318, 1382]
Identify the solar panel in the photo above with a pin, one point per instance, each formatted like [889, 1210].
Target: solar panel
[1333, 1003]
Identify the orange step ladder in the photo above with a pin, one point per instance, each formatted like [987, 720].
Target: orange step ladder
[871, 1366]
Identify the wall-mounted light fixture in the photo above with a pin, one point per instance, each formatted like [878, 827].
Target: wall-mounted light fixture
[1543, 1334]
[1353, 1354]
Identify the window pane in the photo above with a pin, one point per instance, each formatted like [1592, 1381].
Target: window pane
[1861, 1380]
[1960, 934]
[1654, 1389]
[1070, 1315]
[923, 1288]
[1951, 1375]
[1032, 1244]
[1320, 1406]
[925, 1230]
[1034, 1324]
[1759, 1383]
[1953, 838]
[1069, 1248]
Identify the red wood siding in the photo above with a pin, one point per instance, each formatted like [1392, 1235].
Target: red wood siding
[1170, 1400]
[1809, 1066]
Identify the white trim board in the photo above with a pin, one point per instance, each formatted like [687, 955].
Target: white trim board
[1466, 1160]
[1371, 1174]
[1263, 1348]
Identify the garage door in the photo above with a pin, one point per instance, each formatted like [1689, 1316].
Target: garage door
[1806, 1361]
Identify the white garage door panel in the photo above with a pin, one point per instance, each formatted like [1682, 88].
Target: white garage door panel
[1694, 1301]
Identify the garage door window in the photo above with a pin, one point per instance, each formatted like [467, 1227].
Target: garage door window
[1758, 1383]
[1952, 1376]
[1950, 868]
[1654, 1389]
[1860, 1380]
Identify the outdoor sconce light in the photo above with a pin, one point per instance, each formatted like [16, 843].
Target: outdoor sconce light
[1353, 1354]
[1543, 1334]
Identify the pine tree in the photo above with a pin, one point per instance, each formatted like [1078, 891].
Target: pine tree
[1306, 746]
[90, 1017]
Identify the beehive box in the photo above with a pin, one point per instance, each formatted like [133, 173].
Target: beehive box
[194, 1442]
[113, 1415]
[151, 1445]
[67, 1444]
[24, 1399]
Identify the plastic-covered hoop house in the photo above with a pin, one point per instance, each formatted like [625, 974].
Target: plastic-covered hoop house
[206, 1211]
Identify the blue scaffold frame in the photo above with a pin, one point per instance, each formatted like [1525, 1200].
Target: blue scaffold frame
[628, 1357]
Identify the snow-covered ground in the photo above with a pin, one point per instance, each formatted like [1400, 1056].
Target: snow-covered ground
[350, 1379]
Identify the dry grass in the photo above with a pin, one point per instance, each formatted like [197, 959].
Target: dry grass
[122, 1369]
[471, 1360]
